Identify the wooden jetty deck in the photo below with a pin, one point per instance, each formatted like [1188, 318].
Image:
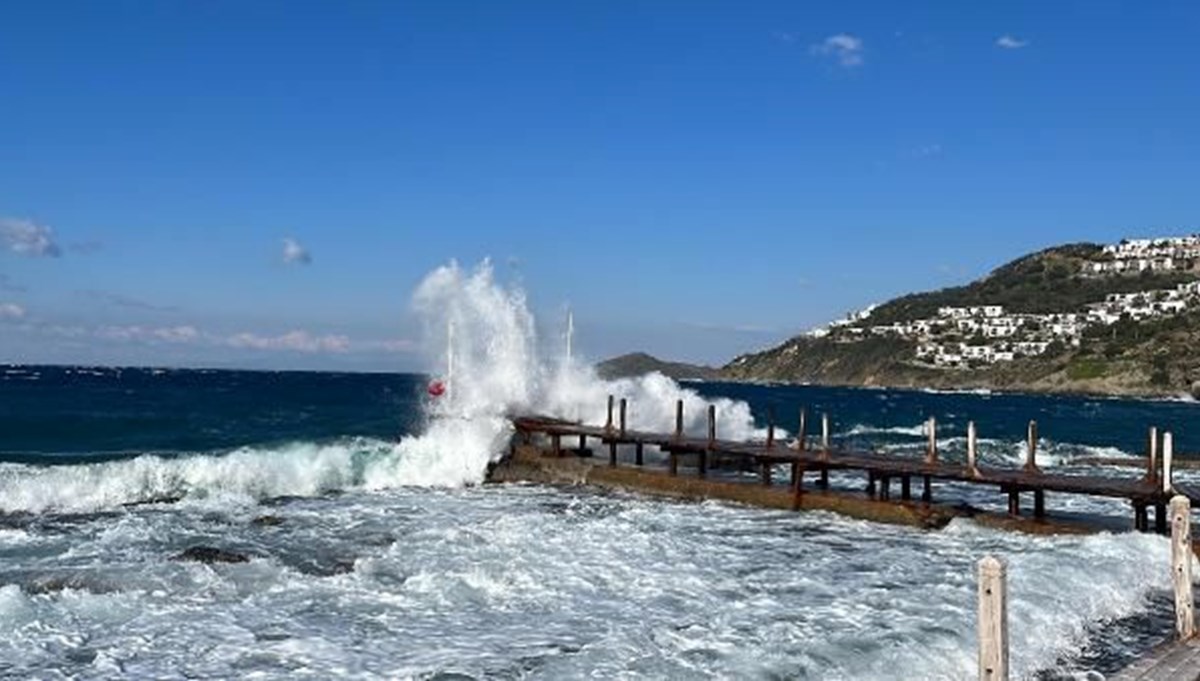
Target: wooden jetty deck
[1152, 490]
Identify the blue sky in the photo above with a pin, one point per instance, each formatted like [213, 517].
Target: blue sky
[695, 179]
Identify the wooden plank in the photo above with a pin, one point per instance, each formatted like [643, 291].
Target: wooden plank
[1178, 661]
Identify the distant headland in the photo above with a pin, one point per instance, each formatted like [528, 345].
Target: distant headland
[1118, 319]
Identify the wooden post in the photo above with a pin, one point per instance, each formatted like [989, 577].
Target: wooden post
[993, 620]
[797, 486]
[609, 423]
[927, 493]
[612, 453]
[582, 444]
[672, 463]
[770, 427]
[678, 419]
[556, 440]
[1181, 564]
[712, 425]
[639, 453]
[803, 432]
[766, 472]
[972, 469]
[1152, 456]
[622, 417]
[905, 488]
[823, 481]
[931, 448]
[885, 487]
[1039, 504]
[1031, 464]
[825, 434]
[1168, 453]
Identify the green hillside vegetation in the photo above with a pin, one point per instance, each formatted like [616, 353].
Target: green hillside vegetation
[1041, 283]
[1153, 357]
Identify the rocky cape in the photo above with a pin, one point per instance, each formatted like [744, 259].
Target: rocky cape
[1154, 357]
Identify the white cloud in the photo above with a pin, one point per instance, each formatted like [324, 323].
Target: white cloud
[1009, 42]
[166, 334]
[294, 253]
[297, 341]
[25, 237]
[847, 49]
[398, 345]
[11, 312]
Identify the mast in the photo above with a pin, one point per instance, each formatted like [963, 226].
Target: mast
[449, 357]
[570, 333]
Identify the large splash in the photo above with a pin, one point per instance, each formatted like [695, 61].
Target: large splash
[470, 320]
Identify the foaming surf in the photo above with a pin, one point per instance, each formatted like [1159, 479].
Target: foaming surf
[470, 320]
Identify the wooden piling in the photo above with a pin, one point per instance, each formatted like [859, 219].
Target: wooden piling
[608, 425]
[797, 486]
[712, 426]
[993, 620]
[1152, 455]
[582, 444]
[638, 454]
[1168, 452]
[927, 492]
[906, 488]
[803, 432]
[1032, 439]
[1039, 504]
[931, 448]
[972, 468]
[825, 434]
[612, 453]
[770, 428]
[672, 463]
[1181, 563]
[556, 442]
[1014, 501]
[622, 417]
[766, 472]
[678, 420]
[823, 481]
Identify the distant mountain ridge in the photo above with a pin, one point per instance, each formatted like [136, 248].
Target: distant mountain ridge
[640, 363]
[1065, 319]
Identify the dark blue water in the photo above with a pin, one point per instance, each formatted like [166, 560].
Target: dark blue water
[64, 413]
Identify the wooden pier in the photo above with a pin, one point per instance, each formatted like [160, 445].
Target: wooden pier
[1154, 489]
[882, 473]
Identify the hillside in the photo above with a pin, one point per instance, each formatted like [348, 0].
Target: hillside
[1062, 328]
[639, 363]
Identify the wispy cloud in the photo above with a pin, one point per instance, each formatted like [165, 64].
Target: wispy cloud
[294, 253]
[7, 284]
[25, 237]
[1010, 42]
[167, 334]
[124, 301]
[297, 341]
[10, 312]
[845, 48]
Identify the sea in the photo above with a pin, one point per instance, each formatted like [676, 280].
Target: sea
[375, 550]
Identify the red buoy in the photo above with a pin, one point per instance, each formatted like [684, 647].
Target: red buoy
[437, 388]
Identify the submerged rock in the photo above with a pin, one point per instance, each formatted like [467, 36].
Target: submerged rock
[210, 555]
[267, 521]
